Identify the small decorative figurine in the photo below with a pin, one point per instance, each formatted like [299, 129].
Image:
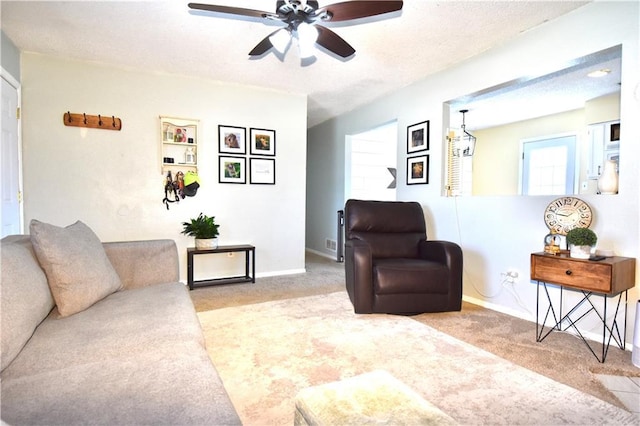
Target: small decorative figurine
[552, 243]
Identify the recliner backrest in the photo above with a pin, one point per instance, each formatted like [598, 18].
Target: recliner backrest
[391, 228]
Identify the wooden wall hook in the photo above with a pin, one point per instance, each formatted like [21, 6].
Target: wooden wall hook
[91, 121]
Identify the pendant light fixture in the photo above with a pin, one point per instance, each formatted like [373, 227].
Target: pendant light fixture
[468, 140]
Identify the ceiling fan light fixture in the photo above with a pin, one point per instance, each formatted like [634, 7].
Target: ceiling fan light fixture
[281, 40]
[307, 37]
[300, 17]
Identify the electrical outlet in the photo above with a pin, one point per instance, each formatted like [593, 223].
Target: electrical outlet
[512, 276]
[230, 254]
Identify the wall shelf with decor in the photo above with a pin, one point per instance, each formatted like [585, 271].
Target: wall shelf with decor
[179, 144]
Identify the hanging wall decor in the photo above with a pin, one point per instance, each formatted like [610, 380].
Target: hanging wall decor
[263, 171]
[179, 141]
[418, 137]
[262, 142]
[232, 170]
[232, 140]
[418, 170]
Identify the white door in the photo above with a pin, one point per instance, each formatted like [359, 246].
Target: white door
[10, 162]
[548, 166]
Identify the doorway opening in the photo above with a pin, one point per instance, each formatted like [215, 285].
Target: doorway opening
[10, 164]
[370, 163]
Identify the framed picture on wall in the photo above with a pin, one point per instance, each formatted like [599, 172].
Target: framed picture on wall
[262, 171]
[232, 140]
[418, 137]
[232, 170]
[262, 142]
[418, 170]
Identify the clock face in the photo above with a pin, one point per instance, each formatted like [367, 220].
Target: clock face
[565, 213]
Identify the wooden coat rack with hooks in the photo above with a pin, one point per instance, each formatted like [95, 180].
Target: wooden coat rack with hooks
[106, 122]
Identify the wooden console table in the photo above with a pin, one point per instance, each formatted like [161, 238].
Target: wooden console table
[250, 260]
[608, 278]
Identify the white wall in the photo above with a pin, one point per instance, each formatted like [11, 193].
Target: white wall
[496, 233]
[112, 180]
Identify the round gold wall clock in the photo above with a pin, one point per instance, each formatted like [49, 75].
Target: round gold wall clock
[565, 213]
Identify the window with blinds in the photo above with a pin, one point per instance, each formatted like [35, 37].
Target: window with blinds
[459, 166]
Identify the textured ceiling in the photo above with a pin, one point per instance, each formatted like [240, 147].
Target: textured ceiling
[164, 36]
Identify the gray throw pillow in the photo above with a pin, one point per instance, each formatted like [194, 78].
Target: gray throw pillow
[78, 270]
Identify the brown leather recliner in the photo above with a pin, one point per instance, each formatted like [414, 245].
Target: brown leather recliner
[391, 267]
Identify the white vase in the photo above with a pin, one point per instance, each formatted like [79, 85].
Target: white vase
[608, 181]
[206, 243]
[580, 252]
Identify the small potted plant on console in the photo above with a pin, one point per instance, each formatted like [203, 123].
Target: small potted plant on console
[581, 242]
[204, 229]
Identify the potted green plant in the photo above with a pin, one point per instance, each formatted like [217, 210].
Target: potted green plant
[581, 242]
[204, 229]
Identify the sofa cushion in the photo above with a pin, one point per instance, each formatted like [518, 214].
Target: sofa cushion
[135, 357]
[127, 323]
[26, 299]
[77, 267]
[177, 386]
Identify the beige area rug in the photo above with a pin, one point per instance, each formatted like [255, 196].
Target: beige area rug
[267, 352]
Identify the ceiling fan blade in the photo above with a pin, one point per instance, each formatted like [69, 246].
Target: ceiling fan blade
[360, 9]
[333, 42]
[232, 10]
[264, 46]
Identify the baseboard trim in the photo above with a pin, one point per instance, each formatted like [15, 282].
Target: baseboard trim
[322, 254]
[279, 273]
[498, 308]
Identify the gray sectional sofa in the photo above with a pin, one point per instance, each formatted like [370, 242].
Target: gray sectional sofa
[134, 356]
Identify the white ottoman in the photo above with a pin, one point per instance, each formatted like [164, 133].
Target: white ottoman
[371, 398]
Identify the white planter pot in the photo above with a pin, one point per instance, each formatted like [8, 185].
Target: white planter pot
[206, 243]
[580, 252]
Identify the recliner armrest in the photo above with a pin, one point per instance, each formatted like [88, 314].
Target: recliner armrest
[358, 274]
[450, 254]
[446, 252]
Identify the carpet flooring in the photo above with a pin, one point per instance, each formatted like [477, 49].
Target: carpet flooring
[560, 357]
[268, 352]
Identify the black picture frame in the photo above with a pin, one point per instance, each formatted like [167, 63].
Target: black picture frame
[232, 169]
[232, 140]
[262, 142]
[418, 137]
[418, 170]
[262, 171]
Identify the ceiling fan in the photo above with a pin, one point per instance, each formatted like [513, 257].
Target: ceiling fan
[303, 18]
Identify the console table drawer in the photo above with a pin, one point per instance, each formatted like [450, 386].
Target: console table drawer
[611, 275]
[573, 274]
